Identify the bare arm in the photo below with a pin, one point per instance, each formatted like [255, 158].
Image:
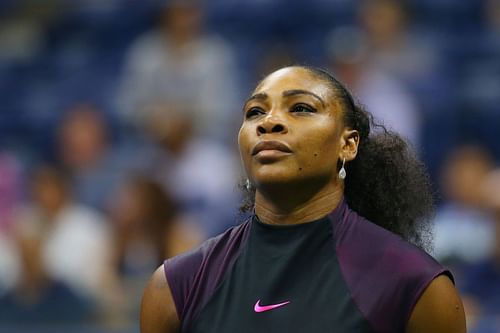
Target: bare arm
[439, 310]
[158, 312]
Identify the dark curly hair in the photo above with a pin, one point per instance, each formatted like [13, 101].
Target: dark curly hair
[386, 183]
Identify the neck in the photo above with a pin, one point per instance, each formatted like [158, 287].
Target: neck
[297, 207]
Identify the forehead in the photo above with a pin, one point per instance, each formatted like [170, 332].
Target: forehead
[291, 78]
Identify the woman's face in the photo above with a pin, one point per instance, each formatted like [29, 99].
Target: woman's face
[291, 131]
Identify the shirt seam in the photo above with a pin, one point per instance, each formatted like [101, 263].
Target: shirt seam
[353, 299]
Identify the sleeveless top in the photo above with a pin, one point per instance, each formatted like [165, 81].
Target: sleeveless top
[339, 274]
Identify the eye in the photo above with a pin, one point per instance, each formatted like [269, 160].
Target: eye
[252, 112]
[301, 108]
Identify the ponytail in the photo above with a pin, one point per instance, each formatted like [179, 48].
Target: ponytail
[386, 183]
[389, 186]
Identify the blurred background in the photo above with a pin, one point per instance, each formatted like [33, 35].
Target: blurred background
[118, 123]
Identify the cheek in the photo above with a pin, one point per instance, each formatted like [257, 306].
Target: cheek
[244, 143]
[320, 149]
[242, 139]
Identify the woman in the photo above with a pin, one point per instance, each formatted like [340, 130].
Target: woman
[148, 227]
[307, 261]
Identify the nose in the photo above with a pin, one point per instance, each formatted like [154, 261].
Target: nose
[272, 124]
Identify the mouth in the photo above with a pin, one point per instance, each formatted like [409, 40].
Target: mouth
[270, 145]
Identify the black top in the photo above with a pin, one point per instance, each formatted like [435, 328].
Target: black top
[341, 273]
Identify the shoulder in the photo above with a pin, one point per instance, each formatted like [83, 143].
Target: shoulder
[439, 309]
[187, 264]
[385, 273]
[362, 240]
[193, 276]
[158, 312]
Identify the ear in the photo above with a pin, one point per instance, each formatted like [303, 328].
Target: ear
[349, 141]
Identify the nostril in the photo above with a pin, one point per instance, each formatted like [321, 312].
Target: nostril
[261, 130]
[278, 128]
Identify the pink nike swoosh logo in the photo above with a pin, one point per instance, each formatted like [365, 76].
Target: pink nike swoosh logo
[263, 308]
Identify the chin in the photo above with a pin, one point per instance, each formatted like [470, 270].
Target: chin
[278, 179]
[286, 178]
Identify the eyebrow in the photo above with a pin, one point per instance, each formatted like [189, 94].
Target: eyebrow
[286, 93]
[302, 92]
[259, 96]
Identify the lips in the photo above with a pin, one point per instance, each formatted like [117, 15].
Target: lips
[270, 145]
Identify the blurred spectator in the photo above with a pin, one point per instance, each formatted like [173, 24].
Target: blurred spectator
[492, 14]
[178, 86]
[10, 195]
[277, 55]
[481, 285]
[85, 150]
[9, 263]
[383, 94]
[464, 230]
[392, 47]
[147, 230]
[10, 188]
[480, 74]
[64, 247]
[21, 30]
[200, 174]
[181, 66]
[148, 227]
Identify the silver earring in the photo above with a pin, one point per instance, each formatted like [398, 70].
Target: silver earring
[248, 185]
[342, 172]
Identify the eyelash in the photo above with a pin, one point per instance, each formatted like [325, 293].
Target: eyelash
[254, 111]
[308, 109]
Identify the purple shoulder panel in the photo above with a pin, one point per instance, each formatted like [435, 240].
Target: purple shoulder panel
[385, 274]
[194, 276]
